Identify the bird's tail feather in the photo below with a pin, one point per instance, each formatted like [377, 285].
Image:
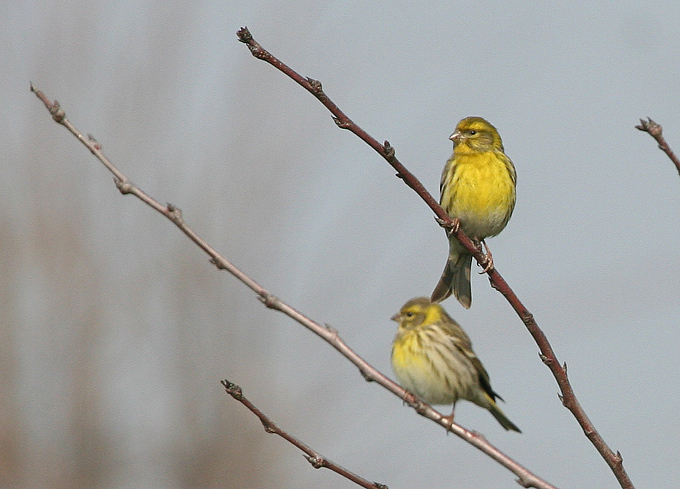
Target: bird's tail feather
[502, 418]
[455, 280]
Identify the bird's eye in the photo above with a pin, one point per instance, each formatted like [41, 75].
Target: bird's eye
[409, 314]
[472, 132]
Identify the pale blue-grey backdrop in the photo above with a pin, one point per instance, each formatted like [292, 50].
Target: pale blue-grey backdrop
[116, 330]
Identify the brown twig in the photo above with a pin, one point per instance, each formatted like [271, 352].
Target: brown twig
[656, 131]
[317, 460]
[548, 356]
[330, 335]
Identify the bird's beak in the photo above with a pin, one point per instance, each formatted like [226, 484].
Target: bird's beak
[396, 317]
[455, 137]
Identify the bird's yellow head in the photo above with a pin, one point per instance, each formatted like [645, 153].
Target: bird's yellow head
[476, 134]
[418, 312]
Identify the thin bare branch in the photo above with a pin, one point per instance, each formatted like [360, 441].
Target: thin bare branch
[330, 335]
[656, 131]
[387, 152]
[313, 457]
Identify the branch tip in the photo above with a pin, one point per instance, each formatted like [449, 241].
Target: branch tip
[244, 34]
[233, 390]
[650, 126]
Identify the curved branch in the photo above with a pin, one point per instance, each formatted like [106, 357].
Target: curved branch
[548, 356]
[313, 457]
[327, 333]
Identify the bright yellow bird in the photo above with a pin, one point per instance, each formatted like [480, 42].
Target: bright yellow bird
[478, 187]
[433, 359]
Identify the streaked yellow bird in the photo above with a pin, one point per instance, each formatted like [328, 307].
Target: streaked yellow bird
[433, 359]
[478, 187]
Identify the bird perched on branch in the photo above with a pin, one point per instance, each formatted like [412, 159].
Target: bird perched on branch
[432, 357]
[477, 187]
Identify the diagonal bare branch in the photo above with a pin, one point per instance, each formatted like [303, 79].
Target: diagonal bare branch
[317, 460]
[327, 333]
[548, 356]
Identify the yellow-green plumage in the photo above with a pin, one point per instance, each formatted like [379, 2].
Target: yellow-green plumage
[477, 187]
[433, 358]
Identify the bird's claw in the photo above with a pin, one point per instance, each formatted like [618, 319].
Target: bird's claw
[489, 259]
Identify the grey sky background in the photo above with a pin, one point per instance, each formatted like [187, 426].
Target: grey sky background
[116, 330]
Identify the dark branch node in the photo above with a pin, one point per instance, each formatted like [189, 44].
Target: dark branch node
[316, 85]
[124, 186]
[342, 123]
[331, 330]
[94, 142]
[318, 462]
[58, 114]
[269, 300]
[175, 212]
[389, 151]
[415, 403]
